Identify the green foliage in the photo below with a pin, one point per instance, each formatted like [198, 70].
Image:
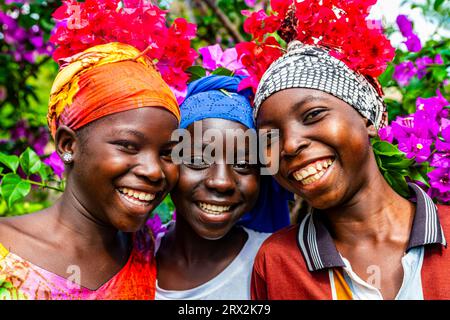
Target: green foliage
[16, 187]
[165, 210]
[198, 72]
[396, 168]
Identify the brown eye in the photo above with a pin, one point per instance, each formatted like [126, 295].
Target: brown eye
[167, 154]
[243, 166]
[127, 145]
[313, 114]
[197, 163]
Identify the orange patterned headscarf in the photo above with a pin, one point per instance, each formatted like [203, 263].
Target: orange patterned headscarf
[103, 80]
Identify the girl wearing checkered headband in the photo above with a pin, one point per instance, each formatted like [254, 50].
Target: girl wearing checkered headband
[360, 240]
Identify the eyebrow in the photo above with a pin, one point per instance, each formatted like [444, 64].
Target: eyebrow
[132, 132]
[305, 100]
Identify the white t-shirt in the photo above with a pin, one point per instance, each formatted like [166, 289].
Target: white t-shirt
[233, 283]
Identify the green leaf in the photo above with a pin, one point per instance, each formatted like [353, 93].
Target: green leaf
[165, 210]
[437, 4]
[30, 161]
[13, 188]
[44, 172]
[398, 164]
[417, 175]
[386, 149]
[386, 77]
[12, 162]
[223, 72]
[196, 72]
[397, 182]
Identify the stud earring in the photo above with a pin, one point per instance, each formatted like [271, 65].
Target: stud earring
[67, 157]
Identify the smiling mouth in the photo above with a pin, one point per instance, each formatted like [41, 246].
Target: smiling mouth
[313, 172]
[213, 209]
[137, 197]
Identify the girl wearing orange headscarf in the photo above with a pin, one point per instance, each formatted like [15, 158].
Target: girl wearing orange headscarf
[112, 116]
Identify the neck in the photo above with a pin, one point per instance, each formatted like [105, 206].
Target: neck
[188, 245]
[73, 222]
[372, 215]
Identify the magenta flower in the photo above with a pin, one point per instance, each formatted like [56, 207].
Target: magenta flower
[440, 179]
[404, 72]
[156, 226]
[412, 40]
[413, 43]
[214, 57]
[20, 131]
[250, 3]
[434, 106]
[417, 148]
[55, 162]
[440, 160]
[404, 25]
[386, 134]
[422, 64]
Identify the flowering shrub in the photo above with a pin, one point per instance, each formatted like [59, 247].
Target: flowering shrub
[420, 126]
[341, 26]
[139, 23]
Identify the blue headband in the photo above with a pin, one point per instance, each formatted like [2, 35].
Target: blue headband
[218, 97]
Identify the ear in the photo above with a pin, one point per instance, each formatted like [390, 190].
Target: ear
[371, 130]
[66, 140]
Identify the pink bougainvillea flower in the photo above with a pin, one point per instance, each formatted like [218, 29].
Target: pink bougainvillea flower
[214, 57]
[55, 162]
[404, 72]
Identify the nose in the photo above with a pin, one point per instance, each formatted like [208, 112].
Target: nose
[149, 167]
[293, 142]
[220, 178]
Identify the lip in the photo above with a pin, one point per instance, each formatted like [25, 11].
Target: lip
[221, 218]
[143, 189]
[136, 209]
[306, 163]
[317, 183]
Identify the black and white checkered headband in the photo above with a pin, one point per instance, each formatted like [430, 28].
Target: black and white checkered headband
[306, 66]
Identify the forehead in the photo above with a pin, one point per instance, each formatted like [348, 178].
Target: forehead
[149, 121]
[217, 123]
[283, 104]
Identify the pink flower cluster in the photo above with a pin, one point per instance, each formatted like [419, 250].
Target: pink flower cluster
[341, 25]
[139, 23]
[425, 137]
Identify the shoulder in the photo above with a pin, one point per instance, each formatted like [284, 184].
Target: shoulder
[18, 230]
[285, 239]
[256, 236]
[444, 217]
[279, 248]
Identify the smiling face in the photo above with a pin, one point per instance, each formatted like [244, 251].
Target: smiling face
[212, 197]
[325, 153]
[122, 167]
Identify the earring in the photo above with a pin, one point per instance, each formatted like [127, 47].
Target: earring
[67, 157]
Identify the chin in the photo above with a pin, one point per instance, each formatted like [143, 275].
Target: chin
[130, 226]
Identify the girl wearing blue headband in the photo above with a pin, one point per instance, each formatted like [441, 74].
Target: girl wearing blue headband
[224, 210]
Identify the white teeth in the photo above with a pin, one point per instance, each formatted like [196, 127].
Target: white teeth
[313, 172]
[137, 195]
[213, 209]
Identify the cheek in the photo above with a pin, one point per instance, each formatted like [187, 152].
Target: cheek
[249, 188]
[186, 184]
[171, 172]
[351, 142]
